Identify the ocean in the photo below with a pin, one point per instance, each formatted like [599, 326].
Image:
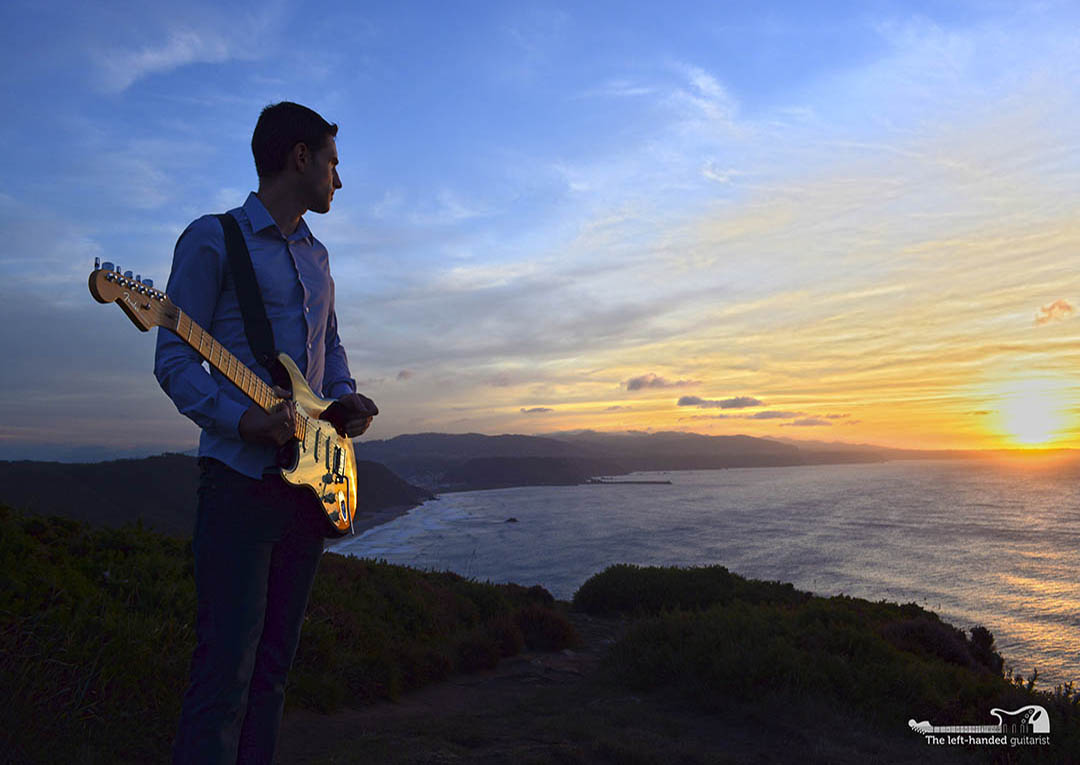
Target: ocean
[979, 542]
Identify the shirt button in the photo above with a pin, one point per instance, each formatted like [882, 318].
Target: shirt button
[307, 309]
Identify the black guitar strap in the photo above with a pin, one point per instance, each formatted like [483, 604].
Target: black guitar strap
[256, 326]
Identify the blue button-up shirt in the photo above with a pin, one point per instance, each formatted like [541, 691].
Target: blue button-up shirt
[294, 278]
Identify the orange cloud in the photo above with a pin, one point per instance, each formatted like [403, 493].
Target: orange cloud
[1059, 310]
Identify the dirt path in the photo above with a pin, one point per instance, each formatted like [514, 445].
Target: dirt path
[431, 724]
[560, 708]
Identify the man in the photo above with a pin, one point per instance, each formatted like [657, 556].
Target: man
[257, 539]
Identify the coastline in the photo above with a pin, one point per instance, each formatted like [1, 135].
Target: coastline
[367, 521]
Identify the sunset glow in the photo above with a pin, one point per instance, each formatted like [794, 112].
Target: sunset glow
[1033, 411]
[836, 222]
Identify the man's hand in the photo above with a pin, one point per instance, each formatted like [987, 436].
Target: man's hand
[351, 414]
[274, 427]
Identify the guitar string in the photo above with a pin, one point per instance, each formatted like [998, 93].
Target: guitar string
[256, 389]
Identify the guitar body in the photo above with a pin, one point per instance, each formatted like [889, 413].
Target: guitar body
[322, 459]
[318, 457]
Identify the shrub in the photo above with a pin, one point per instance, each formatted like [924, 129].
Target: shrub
[96, 635]
[545, 629]
[628, 589]
[879, 661]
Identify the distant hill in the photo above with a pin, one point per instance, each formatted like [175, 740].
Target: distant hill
[447, 462]
[159, 491]
[502, 472]
[671, 450]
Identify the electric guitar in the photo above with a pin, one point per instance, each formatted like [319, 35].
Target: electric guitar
[319, 458]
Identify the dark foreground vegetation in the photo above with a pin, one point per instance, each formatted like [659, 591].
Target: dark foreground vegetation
[716, 639]
[96, 633]
[702, 665]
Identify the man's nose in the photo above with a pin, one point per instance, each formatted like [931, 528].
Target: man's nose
[337, 180]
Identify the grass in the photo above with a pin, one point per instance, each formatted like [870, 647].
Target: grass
[714, 637]
[96, 635]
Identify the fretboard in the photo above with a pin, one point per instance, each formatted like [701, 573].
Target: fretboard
[253, 386]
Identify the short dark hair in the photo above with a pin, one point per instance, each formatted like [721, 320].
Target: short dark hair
[280, 127]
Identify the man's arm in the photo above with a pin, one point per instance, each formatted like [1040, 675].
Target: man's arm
[352, 412]
[194, 286]
[337, 381]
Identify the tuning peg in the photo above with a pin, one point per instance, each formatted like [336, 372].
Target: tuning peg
[148, 282]
[97, 263]
[128, 274]
[108, 266]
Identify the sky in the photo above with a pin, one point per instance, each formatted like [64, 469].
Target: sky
[837, 221]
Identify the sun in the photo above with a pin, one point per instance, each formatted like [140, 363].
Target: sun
[1033, 411]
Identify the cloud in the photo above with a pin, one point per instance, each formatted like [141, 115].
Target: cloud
[536, 410]
[619, 88]
[1059, 310]
[808, 422]
[183, 46]
[766, 415]
[714, 173]
[405, 374]
[739, 402]
[652, 381]
[706, 97]
[618, 408]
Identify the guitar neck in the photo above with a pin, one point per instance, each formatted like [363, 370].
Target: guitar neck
[253, 386]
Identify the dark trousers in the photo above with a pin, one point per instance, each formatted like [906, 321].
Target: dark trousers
[257, 545]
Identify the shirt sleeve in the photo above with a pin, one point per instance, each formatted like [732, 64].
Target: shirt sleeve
[194, 285]
[337, 381]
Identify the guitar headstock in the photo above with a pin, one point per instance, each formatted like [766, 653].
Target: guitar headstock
[144, 305]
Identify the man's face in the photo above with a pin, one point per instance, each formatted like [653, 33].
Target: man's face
[322, 177]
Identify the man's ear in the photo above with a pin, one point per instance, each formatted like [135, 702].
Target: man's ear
[300, 156]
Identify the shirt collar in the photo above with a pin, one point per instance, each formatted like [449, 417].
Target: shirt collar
[261, 219]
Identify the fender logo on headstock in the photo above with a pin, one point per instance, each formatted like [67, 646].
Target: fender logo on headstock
[132, 303]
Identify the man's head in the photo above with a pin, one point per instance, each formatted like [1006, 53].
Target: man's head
[295, 144]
